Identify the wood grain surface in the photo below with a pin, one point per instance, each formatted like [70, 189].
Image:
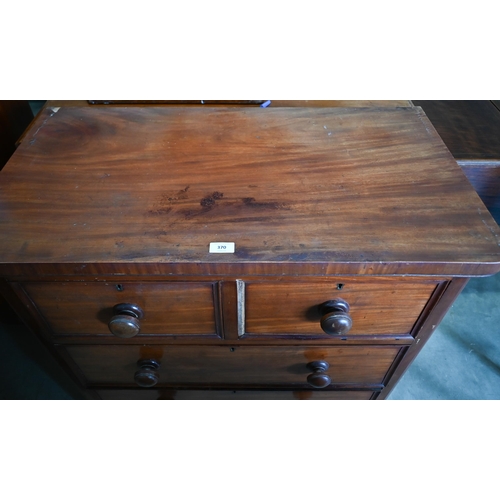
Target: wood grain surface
[213, 394]
[371, 191]
[343, 104]
[182, 103]
[376, 307]
[87, 308]
[223, 365]
[470, 129]
[274, 103]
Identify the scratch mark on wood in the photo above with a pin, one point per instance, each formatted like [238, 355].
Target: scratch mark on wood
[490, 229]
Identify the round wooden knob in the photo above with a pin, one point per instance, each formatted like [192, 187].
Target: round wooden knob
[335, 318]
[146, 375]
[125, 322]
[318, 378]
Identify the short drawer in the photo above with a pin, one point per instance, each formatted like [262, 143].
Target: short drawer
[219, 366]
[374, 307]
[88, 308]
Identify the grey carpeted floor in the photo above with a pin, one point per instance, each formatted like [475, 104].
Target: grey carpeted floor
[462, 358]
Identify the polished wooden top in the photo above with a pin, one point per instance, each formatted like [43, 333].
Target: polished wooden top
[298, 190]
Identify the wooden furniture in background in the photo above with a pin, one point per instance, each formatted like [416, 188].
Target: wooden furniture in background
[228, 103]
[15, 116]
[354, 232]
[471, 131]
[182, 103]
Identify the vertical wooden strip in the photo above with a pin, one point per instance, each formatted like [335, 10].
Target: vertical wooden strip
[229, 301]
[216, 292]
[240, 290]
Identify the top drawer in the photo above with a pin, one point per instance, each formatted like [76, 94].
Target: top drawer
[87, 308]
[375, 306]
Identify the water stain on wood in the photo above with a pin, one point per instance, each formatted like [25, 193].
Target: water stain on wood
[160, 211]
[207, 203]
[273, 205]
[23, 247]
[167, 200]
[156, 234]
[210, 200]
[236, 209]
[180, 195]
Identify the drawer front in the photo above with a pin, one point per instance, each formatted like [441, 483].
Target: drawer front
[124, 394]
[376, 307]
[219, 366]
[87, 308]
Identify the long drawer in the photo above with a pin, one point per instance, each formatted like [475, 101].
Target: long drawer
[225, 366]
[149, 394]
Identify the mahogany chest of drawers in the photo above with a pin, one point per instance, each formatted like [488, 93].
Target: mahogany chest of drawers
[237, 253]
